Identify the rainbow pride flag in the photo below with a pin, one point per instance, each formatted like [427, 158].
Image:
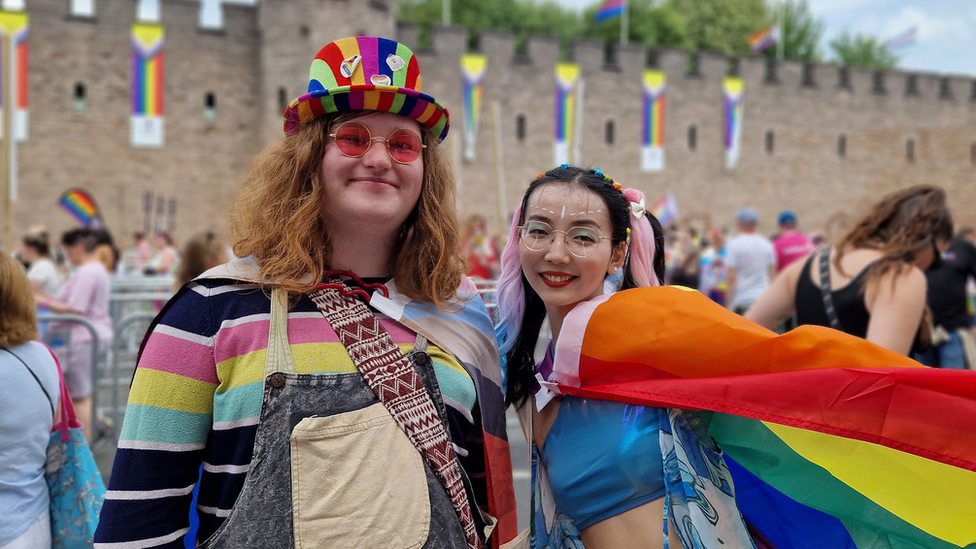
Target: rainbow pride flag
[833, 442]
[567, 94]
[732, 91]
[17, 26]
[474, 67]
[147, 84]
[81, 205]
[763, 39]
[665, 209]
[652, 129]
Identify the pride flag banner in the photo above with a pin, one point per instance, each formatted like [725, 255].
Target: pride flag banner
[16, 25]
[652, 130]
[764, 38]
[666, 209]
[610, 9]
[568, 85]
[81, 205]
[832, 442]
[474, 67]
[732, 90]
[146, 123]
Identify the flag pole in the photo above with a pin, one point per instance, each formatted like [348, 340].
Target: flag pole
[6, 45]
[781, 32]
[623, 25]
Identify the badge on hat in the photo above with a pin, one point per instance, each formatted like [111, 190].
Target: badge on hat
[380, 80]
[349, 65]
[395, 62]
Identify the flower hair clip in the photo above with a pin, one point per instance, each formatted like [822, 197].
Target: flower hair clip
[608, 179]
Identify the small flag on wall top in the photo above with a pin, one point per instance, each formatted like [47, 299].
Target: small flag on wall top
[473, 70]
[610, 9]
[903, 40]
[16, 25]
[146, 123]
[652, 129]
[764, 38]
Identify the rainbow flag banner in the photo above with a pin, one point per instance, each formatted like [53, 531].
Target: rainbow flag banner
[832, 442]
[903, 40]
[81, 205]
[764, 38]
[146, 123]
[474, 67]
[16, 25]
[652, 130]
[568, 101]
[732, 90]
[666, 209]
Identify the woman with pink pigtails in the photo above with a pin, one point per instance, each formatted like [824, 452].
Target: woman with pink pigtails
[605, 474]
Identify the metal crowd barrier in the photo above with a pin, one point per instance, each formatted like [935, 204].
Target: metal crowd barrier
[133, 303]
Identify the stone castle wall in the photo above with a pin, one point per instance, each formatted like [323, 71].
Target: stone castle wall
[258, 62]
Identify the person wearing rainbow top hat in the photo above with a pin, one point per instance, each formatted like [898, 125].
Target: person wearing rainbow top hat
[340, 385]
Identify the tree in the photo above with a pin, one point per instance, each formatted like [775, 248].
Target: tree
[862, 50]
[800, 31]
[722, 25]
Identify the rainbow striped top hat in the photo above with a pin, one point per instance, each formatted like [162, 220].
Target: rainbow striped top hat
[366, 73]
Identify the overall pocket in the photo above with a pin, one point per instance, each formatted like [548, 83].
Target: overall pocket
[357, 481]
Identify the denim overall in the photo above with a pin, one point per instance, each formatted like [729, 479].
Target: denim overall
[331, 467]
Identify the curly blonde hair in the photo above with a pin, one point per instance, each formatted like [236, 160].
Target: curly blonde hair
[277, 219]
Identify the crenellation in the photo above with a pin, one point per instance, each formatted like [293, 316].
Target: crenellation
[588, 54]
[631, 58]
[408, 32]
[672, 61]
[542, 51]
[498, 45]
[712, 65]
[835, 148]
[752, 69]
[448, 40]
[789, 74]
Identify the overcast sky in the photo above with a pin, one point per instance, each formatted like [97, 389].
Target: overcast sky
[946, 28]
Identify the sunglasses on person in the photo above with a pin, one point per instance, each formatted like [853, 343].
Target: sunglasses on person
[353, 140]
[580, 241]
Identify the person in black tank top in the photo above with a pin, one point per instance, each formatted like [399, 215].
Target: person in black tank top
[883, 299]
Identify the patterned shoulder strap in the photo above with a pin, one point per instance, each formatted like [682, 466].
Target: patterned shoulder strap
[399, 387]
[825, 293]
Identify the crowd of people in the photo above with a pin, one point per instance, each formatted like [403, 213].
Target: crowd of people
[335, 379]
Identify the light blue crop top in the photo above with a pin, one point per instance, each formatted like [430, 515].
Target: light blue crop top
[603, 458]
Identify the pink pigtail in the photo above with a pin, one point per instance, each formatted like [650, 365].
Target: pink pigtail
[510, 292]
[641, 244]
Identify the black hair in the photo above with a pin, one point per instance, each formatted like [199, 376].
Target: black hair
[520, 356]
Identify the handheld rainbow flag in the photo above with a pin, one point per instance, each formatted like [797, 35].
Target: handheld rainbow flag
[610, 9]
[81, 205]
[903, 40]
[146, 123]
[567, 94]
[652, 130]
[832, 442]
[732, 90]
[666, 209]
[16, 25]
[473, 70]
[764, 38]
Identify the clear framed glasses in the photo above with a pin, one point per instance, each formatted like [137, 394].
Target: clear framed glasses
[353, 140]
[580, 241]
